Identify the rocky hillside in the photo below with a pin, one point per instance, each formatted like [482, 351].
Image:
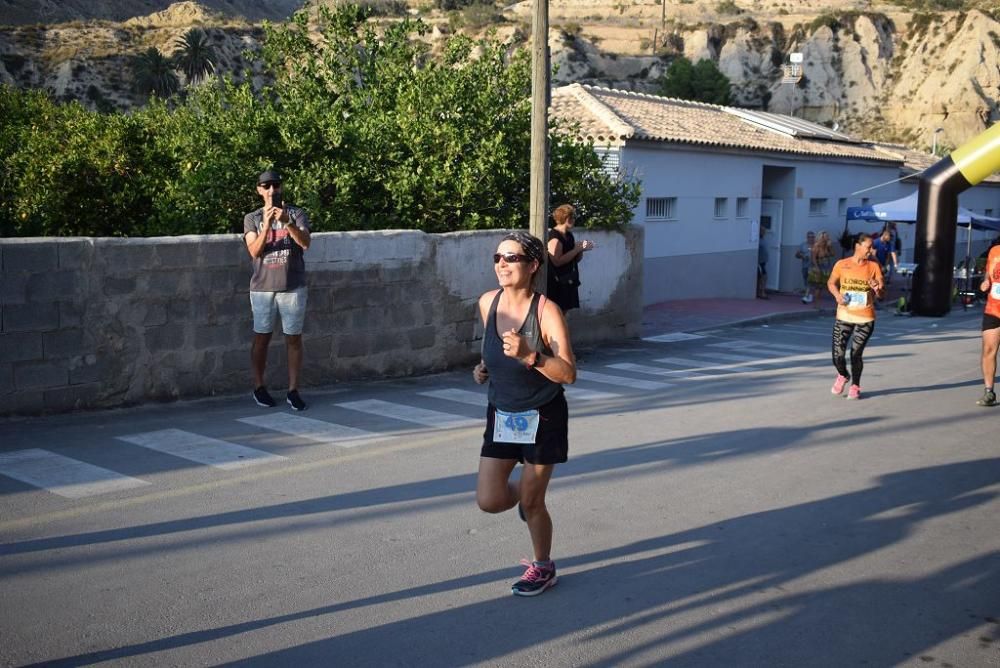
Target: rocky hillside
[90, 61]
[21, 12]
[876, 70]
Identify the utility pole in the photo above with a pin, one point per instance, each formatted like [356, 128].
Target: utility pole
[539, 200]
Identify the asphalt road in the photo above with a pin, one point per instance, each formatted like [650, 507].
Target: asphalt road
[720, 508]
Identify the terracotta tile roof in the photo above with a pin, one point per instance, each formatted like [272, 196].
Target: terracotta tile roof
[612, 117]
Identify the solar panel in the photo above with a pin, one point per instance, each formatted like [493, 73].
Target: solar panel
[791, 126]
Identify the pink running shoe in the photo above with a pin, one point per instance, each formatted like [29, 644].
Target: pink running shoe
[536, 579]
[854, 392]
[838, 385]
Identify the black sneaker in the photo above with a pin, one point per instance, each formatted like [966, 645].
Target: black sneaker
[261, 396]
[989, 399]
[295, 401]
[536, 579]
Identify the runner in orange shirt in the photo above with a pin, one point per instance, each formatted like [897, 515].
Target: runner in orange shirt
[855, 283]
[991, 325]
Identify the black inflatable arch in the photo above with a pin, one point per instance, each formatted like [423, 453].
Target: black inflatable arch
[937, 211]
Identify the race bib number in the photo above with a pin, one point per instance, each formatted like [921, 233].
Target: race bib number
[995, 291]
[856, 299]
[519, 428]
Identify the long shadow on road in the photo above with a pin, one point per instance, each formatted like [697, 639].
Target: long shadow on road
[626, 462]
[727, 593]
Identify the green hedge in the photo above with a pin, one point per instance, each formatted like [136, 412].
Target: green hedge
[371, 130]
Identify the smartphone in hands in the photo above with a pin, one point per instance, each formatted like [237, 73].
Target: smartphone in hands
[276, 202]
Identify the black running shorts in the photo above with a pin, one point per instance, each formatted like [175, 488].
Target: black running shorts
[551, 441]
[990, 321]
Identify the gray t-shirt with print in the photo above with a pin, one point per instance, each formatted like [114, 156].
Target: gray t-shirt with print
[805, 255]
[281, 267]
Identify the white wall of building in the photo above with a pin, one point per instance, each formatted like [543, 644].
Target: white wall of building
[696, 254]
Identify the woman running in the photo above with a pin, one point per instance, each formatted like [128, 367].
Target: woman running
[526, 358]
[855, 283]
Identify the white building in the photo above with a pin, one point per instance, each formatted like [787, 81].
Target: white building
[711, 175]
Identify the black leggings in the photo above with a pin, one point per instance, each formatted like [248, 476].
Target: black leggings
[841, 334]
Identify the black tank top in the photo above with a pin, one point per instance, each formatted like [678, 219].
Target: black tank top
[513, 386]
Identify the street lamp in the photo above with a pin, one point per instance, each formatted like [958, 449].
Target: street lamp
[934, 140]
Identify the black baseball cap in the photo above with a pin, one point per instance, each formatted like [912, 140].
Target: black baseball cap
[270, 176]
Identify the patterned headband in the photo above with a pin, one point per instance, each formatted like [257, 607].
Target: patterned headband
[533, 248]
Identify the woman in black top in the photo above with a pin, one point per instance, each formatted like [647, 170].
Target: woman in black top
[527, 357]
[564, 259]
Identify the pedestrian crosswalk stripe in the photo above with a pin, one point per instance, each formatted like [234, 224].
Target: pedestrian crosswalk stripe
[732, 344]
[201, 449]
[672, 337]
[479, 398]
[468, 397]
[763, 364]
[61, 475]
[728, 357]
[680, 374]
[784, 348]
[315, 430]
[422, 416]
[755, 346]
[621, 380]
[581, 394]
[680, 361]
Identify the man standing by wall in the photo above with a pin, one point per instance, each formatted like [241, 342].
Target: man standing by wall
[276, 236]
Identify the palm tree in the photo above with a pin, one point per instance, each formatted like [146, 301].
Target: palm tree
[154, 74]
[194, 56]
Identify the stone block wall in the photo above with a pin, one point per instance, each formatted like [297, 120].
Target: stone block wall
[88, 323]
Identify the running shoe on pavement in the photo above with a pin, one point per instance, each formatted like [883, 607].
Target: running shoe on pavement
[537, 578]
[854, 392]
[838, 385]
[295, 401]
[263, 398]
[989, 399]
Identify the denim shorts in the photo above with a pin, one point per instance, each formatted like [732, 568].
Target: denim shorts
[291, 306]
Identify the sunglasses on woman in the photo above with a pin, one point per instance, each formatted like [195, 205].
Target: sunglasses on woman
[510, 258]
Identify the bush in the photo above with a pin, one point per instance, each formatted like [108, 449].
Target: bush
[728, 7]
[370, 130]
[703, 82]
[827, 20]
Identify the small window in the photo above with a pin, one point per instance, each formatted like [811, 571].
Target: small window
[987, 212]
[742, 207]
[865, 201]
[842, 206]
[721, 204]
[661, 208]
[610, 161]
[817, 206]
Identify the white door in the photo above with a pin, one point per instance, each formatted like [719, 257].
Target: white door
[770, 220]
